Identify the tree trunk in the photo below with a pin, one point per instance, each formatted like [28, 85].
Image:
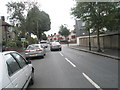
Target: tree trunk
[89, 40]
[98, 41]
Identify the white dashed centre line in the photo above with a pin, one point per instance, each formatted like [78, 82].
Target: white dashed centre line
[71, 62]
[91, 81]
[61, 54]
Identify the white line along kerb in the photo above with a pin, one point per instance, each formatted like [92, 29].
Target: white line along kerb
[91, 81]
[61, 54]
[71, 62]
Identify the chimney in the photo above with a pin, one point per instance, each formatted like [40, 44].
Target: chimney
[2, 18]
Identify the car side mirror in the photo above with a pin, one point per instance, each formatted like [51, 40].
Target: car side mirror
[28, 62]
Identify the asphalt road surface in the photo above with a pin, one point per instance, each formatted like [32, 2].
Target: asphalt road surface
[70, 68]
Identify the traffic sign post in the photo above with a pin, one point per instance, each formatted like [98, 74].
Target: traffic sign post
[23, 40]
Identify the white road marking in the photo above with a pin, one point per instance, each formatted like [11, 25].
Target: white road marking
[61, 54]
[71, 62]
[91, 81]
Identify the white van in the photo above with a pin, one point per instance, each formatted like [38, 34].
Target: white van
[44, 43]
[15, 71]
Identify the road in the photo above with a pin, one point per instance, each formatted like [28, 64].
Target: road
[74, 69]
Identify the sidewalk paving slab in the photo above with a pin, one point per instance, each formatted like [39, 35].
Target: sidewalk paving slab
[110, 53]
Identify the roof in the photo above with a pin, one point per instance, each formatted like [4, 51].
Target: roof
[5, 24]
[5, 52]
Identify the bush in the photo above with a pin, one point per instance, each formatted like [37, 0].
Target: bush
[11, 44]
[3, 43]
[26, 43]
[18, 44]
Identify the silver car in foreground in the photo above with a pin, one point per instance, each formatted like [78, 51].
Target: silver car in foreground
[15, 71]
[35, 50]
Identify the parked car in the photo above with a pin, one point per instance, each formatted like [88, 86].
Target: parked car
[44, 43]
[15, 70]
[35, 50]
[55, 46]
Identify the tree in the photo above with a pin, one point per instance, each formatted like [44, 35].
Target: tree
[16, 11]
[37, 22]
[99, 15]
[64, 31]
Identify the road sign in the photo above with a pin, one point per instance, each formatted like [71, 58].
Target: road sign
[22, 39]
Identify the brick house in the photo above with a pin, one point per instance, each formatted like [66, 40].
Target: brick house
[7, 34]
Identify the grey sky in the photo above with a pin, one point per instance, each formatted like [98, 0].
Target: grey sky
[58, 10]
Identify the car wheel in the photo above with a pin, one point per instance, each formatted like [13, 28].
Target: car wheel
[42, 56]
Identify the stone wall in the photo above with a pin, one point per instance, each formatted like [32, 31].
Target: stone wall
[106, 41]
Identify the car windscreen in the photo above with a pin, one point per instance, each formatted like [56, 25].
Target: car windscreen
[37, 46]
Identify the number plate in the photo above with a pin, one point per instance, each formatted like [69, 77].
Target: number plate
[33, 55]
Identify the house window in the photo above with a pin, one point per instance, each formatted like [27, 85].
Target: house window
[73, 37]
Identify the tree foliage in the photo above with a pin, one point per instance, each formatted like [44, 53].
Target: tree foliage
[37, 22]
[16, 11]
[28, 18]
[64, 31]
[98, 15]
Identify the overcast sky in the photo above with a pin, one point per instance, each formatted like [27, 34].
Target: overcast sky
[58, 10]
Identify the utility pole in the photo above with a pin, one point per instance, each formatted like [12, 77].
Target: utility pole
[37, 32]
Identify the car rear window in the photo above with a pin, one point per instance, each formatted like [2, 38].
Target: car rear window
[30, 47]
[55, 43]
[36, 47]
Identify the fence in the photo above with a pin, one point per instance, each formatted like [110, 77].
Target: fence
[111, 41]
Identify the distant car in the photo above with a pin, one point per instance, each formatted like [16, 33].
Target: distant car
[15, 71]
[55, 46]
[44, 44]
[35, 50]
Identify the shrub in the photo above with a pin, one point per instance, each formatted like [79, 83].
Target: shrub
[18, 43]
[11, 44]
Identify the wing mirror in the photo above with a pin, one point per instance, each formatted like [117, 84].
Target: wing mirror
[28, 62]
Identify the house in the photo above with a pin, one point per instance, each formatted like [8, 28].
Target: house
[72, 36]
[60, 38]
[7, 34]
[79, 27]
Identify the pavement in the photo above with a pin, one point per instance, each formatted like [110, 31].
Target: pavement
[111, 53]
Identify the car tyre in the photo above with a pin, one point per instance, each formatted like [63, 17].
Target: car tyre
[42, 56]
